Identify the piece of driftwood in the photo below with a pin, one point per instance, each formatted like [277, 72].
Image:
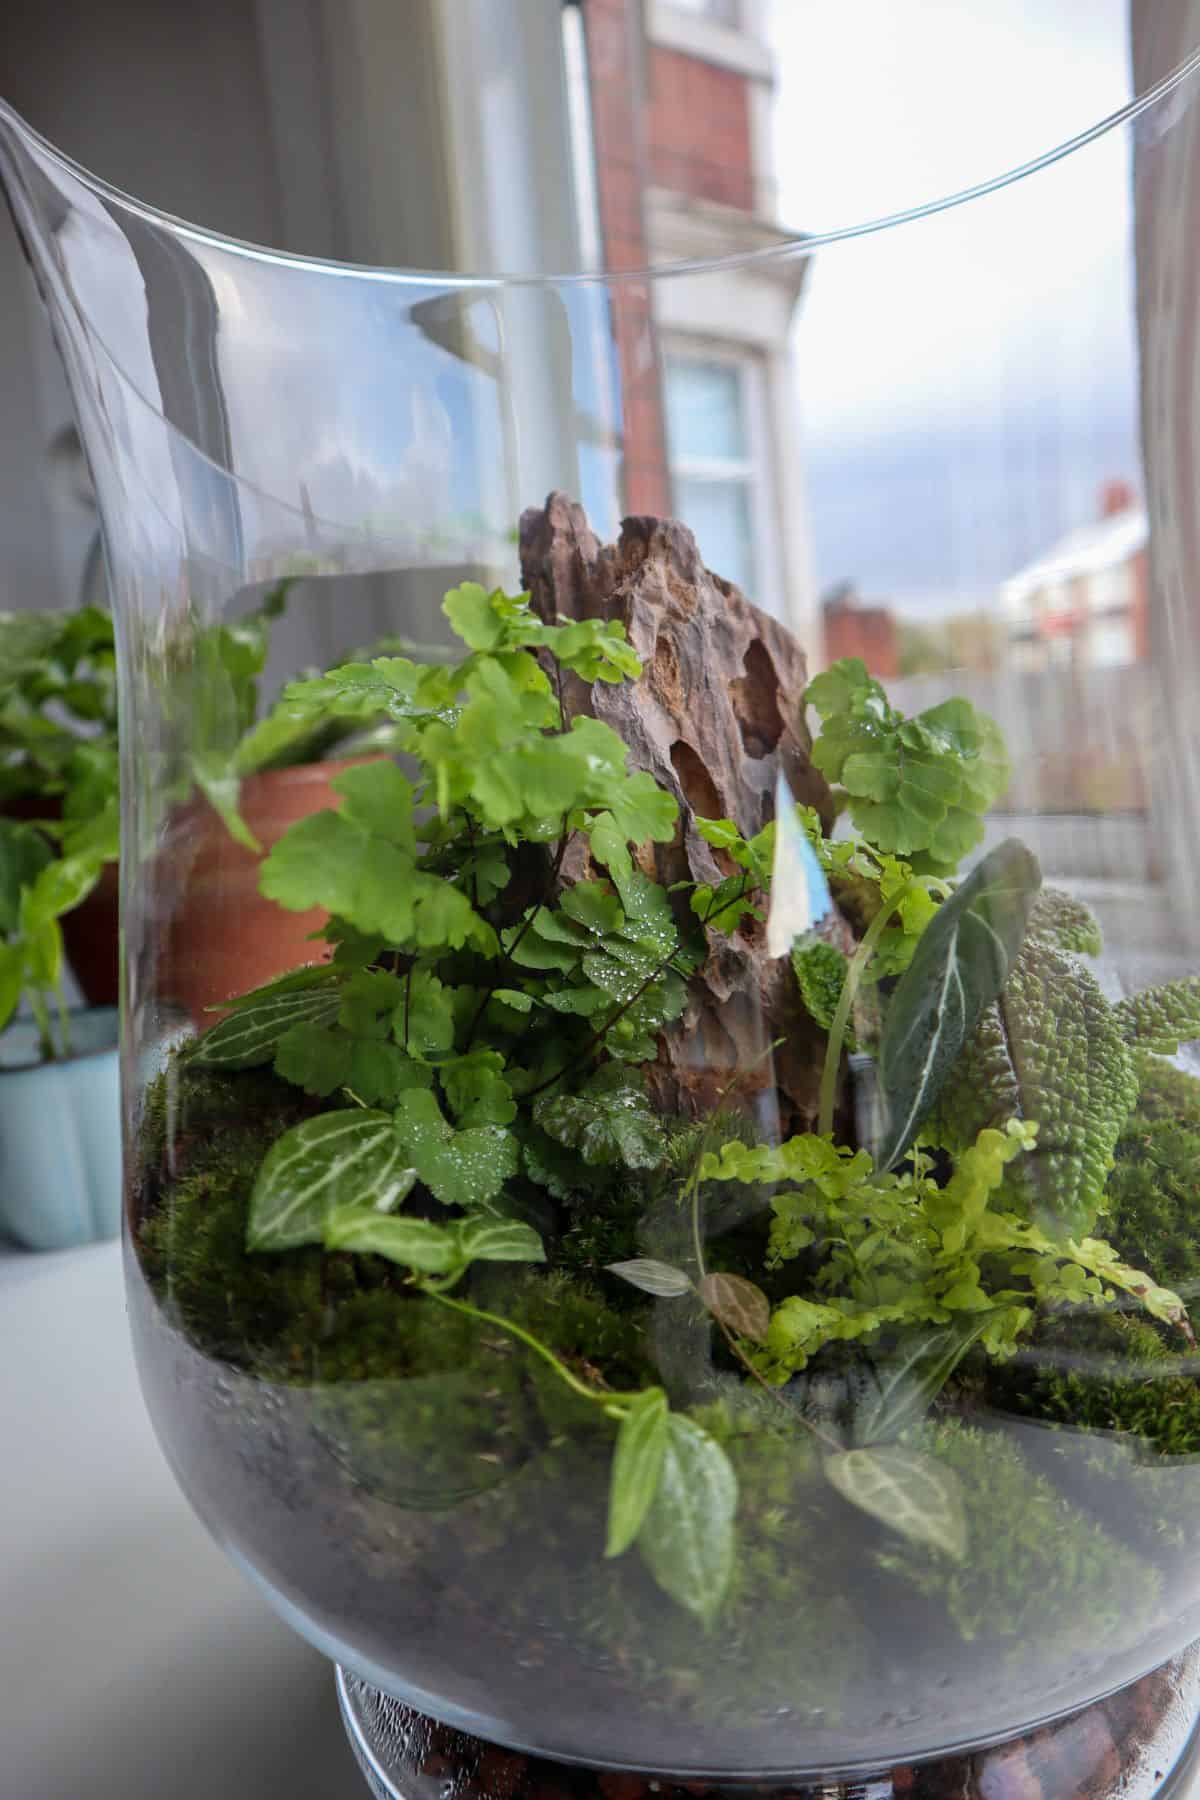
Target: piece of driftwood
[717, 714]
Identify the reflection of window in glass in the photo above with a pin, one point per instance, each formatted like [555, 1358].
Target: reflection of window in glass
[725, 12]
[714, 468]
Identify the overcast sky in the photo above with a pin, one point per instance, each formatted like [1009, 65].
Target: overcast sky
[968, 381]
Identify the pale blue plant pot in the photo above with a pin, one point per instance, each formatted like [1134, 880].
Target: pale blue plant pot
[60, 1135]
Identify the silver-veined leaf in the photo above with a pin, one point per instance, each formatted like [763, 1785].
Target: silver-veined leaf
[636, 1468]
[687, 1533]
[251, 1033]
[959, 966]
[342, 1159]
[416, 1243]
[912, 1494]
[499, 1240]
[661, 1279]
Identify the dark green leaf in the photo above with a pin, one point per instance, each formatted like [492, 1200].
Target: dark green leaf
[905, 1387]
[912, 1494]
[960, 965]
[636, 1468]
[687, 1533]
[609, 1121]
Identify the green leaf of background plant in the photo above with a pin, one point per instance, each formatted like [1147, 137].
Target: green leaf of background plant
[915, 1495]
[636, 1468]
[960, 965]
[687, 1535]
[336, 1160]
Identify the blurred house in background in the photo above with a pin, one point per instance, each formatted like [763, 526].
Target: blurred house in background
[851, 627]
[1085, 601]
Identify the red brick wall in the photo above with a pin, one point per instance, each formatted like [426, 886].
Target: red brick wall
[866, 631]
[614, 57]
[699, 129]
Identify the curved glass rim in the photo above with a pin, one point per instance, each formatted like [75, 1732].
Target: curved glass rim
[800, 246]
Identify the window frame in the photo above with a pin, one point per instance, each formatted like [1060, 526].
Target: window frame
[755, 471]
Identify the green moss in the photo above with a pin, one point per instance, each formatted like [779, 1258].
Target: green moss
[1038, 1573]
[1153, 1209]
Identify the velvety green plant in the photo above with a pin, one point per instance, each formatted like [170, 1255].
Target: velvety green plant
[480, 1039]
[1055, 1050]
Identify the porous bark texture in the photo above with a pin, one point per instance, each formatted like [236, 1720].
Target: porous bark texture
[716, 716]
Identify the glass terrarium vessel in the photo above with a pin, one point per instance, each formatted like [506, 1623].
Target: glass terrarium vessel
[660, 1177]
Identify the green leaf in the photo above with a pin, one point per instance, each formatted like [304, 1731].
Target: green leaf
[378, 797]
[960, 964]
[460, 1168]
[1050, 1051]
[315, 1058]
[912, 1494]
[913, 1376]
[1161, 1018]
[24, 853]
[251, 1034]
[687, 1536]
[379, 1072]
[476, 1089]
[653, 1277]
[331, 861]
[642, 811]
[349, 1159]
[609, 1121]
[473, 617]
[1070, 923]
[609, 847]
[414, 1243]
[636, 1467]
[741, 1307]
[57, 888]
[12, 980]
[423, 1023]
[499, 1240]
[915, 786]
[515, 997]
[820, 969]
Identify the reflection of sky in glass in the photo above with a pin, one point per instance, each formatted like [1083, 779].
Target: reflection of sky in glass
[968, 382]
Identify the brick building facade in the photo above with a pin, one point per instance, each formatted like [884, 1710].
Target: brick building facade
[680, 101]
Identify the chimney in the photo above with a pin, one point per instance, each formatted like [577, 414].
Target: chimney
[1116, 496]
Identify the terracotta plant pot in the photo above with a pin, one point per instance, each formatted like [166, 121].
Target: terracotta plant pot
[91, 937]
[219, 936]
